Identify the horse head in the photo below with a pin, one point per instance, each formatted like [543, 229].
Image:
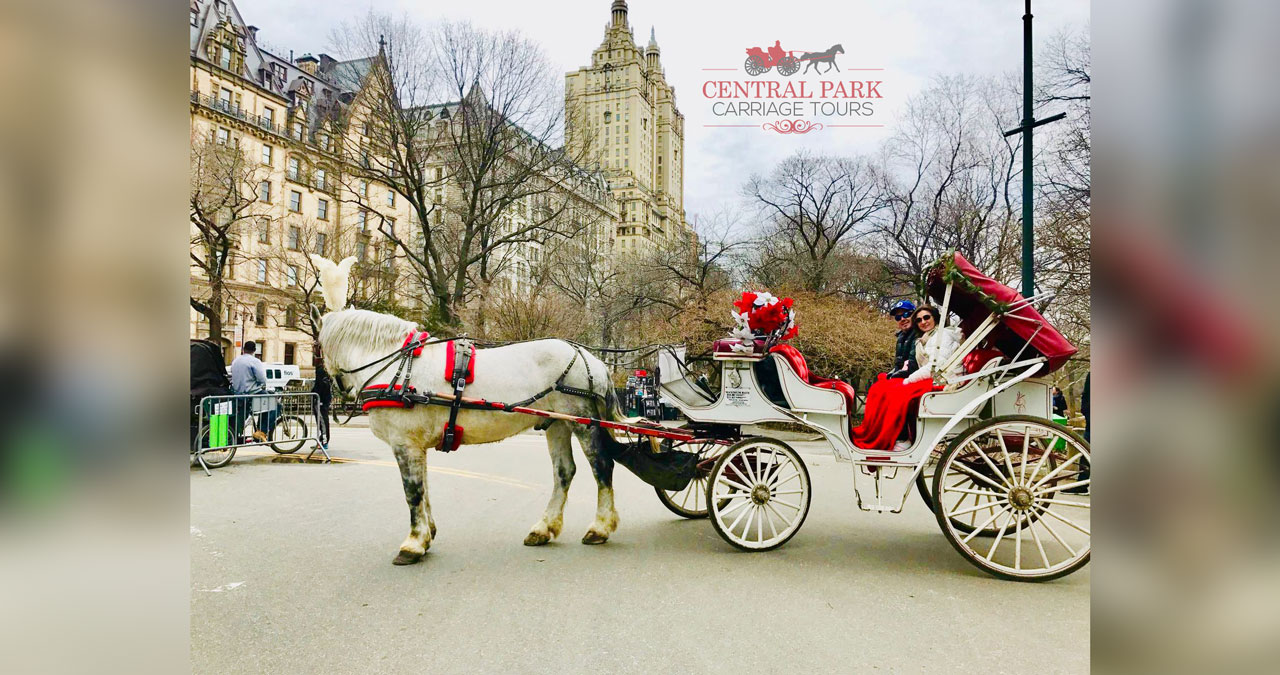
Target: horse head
[837, 49]
[334, 280]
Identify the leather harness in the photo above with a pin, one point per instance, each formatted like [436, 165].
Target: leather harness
[459, 371]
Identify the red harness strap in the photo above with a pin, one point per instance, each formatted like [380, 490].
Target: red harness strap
[375, 403]
[421, 337]
[449, 363]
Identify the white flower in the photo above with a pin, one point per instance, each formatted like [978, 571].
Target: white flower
[764, 298]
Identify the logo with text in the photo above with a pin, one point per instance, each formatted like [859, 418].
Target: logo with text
[819, 97]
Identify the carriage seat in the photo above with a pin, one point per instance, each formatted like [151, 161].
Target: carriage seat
[724, 349]
[801, 368]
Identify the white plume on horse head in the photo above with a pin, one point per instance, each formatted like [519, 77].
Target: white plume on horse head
[334, 279]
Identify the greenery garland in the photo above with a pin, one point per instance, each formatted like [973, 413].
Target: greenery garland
[950, 273]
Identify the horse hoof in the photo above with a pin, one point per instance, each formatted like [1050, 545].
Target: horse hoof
[593, 537]
[406, 558]
[536, 539]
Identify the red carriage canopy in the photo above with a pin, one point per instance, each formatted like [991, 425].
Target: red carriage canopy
[976, 295]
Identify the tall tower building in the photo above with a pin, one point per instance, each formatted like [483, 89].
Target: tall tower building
[621, 109]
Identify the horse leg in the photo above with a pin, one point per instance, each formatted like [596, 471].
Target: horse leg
[602, 467]
[833, 65]
[560, 445]
[413, 476]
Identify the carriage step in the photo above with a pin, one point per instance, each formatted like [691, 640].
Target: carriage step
[882, 487]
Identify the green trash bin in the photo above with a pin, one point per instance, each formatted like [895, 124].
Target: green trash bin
[1060, 444]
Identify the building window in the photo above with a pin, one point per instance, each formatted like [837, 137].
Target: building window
[295, 168]
[264, 233]
[289, 349]
[262, 272]
[321, 240]
[391, 197]
[224, 99]
[266, 154]
[364, 188]
[322, 209]
[320, 179]
[264, 191]
[362, 220]
[295, 201]
[391, 226]
[297, 131]
[325, 142]
[224, 57]
[269, 116]
[360, 250]
[291, 275]
[294, 235]
[224, 136]
[439, 173]
[260, 315]
[290, 321]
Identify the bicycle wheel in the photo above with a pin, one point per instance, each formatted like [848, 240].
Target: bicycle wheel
[289, 435]
[214, 457]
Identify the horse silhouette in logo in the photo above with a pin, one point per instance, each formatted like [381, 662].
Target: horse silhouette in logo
[828, 57]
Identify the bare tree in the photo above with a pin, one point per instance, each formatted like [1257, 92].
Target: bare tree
[223, 202]
[816, 208]
[952, 180]
[690, 270]
[466, 126]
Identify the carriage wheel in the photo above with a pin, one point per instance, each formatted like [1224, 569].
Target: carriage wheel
[978, 492]
[758, 495]
[289, 435]
[690, 502]
[788, 65]
[1041, 534]
[755, 66]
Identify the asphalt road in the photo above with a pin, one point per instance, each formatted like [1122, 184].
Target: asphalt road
[291, 573]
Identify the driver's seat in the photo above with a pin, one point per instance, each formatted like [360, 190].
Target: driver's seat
[801, 367]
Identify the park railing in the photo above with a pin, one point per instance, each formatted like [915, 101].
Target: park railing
[285, 422]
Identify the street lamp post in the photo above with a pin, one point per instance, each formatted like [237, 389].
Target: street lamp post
[1028, 184]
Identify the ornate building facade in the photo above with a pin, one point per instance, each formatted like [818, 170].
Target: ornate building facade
[622, 106]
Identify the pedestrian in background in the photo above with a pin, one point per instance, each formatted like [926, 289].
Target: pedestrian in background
[323, 389]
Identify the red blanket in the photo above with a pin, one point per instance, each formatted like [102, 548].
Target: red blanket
[890, 404]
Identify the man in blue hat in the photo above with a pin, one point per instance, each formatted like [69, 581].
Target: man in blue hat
[904, 358]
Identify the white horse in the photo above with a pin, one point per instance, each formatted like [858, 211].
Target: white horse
[351, 338]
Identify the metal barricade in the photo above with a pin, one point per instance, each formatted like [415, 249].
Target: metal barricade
[283, 421]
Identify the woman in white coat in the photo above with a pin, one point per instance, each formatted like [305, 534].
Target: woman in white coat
[935, 345]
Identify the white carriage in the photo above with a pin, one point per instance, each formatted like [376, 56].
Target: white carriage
[985, 455]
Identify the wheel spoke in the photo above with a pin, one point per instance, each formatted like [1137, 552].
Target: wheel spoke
[1058, 469]
[729, 465]
[985, 523]
[724, 513]
[984, 493]
[788, 479]
[788, 492]
[725, 481]
[980, 507]
[746, 529]
[760, 525]
[1017, 530]
[961, 467]
[786, 503]
[999, 535]
[1067, 521]
[1008, 462]
[786, 522]
[750, 462]
[1022, 467]
[739, 518]
[1040, 545]
[772, 528]
[1065, 502]
[994, 469]
[1055, 536]
[1058, 488]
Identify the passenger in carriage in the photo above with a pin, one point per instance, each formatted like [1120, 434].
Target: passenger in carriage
[892, 403]
[904, 357]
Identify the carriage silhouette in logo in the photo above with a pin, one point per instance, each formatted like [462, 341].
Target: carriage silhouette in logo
[760, 61]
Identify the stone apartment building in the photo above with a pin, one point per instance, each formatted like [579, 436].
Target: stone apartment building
[622, 104]
[283, 114]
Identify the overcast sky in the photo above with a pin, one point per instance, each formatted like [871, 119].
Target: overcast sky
[912, 40]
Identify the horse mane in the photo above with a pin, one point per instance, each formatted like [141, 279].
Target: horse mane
[361, 328]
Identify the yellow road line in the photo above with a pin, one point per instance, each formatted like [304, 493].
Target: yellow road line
[430, 469]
